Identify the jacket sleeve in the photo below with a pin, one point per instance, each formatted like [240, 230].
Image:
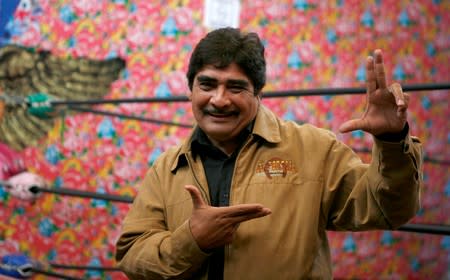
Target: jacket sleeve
[381, 195]
[146, 249]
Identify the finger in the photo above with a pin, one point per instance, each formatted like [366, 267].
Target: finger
[197, 198]
[402, 111]
[351, 125]
[244, 212]
[400, 97]
[379, 69]
[249, 216]
[243, 209]
[371, 81]
[401, 100]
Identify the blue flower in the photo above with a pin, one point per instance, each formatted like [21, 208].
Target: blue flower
[99, 203]
[431, 50]
[367, 19]
[163, 90]
[426, 103]
[94, 273]
[447, 188]
[386, 238]
[331, 36]
[46, 227]
[106, 129]
[294, 60]
[301, 5]
[52, 154]
[399, 73]
[154, 155]
[349, 244]
[361, 73]
[288, 115]
[3, 195]
[445, 242]
[357, 134]
[71, 42]
[169, 27]
[415, 264]
[403, 19]
[66, 14]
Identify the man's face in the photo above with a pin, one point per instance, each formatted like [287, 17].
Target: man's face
[223, 102]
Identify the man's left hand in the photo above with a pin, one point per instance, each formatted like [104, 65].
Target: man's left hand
[386, 107]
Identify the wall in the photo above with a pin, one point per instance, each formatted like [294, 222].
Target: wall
[310, 44]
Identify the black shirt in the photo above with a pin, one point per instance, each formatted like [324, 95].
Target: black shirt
[219, 173]
[218, 165]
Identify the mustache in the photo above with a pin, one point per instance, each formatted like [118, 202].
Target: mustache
[217, 111]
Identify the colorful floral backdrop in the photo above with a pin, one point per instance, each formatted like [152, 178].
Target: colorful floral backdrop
[310, 44]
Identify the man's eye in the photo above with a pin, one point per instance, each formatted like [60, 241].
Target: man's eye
[206, 86]
[237, 89]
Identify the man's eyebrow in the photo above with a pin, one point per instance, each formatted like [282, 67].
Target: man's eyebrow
[203, 78]
[230, 82]
[242, 83]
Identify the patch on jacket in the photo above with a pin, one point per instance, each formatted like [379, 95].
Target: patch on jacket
[275, 167]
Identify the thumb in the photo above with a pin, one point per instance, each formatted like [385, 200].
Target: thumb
[196, 196]
[350, 125]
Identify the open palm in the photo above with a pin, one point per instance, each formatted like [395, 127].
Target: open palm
[386, 107]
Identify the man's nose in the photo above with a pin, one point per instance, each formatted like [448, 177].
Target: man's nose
[220, 97]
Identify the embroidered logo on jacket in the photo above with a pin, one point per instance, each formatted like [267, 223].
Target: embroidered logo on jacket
[275, 167]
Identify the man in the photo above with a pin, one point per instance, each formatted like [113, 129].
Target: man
[250, 196]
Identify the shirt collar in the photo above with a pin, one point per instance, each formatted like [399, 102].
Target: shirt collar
[266, 125]
[199, 138]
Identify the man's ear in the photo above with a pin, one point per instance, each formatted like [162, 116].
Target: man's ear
[189, 95]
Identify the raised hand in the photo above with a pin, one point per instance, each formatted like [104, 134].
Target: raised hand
[385, 106]
[213, 227]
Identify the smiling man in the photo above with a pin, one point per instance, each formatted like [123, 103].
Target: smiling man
[250, 196]
[224, 103]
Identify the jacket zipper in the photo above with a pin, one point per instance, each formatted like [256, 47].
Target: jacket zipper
[235, 164]
[201, 187]
[227, 247]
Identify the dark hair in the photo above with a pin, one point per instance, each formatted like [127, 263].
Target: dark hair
[223, 46]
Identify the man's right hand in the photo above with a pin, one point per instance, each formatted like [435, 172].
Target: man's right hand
[214, 227]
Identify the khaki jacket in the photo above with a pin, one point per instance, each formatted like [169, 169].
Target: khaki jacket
[312, 183]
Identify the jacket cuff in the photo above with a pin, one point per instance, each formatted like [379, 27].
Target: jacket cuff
[186, 245]
[394, 137]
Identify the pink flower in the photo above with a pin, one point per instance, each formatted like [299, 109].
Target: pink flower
[77, 142]
[148, 8]
[414, 11]
[177, 82]
[88, 7]
[384, 27]
[409, 63]
[274, 70]
[306, 52]
[68, 252]
[11, 162]
[442, 41]
[277, 11]
[62, 30]
[9, 246]
[183, 19]
[139, 37]
[126, 170]
[119, 16]
[346, 27]
[74, 180]
[88, 44]
[32, 36]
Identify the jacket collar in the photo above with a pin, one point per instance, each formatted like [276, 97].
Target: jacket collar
[266, 126]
